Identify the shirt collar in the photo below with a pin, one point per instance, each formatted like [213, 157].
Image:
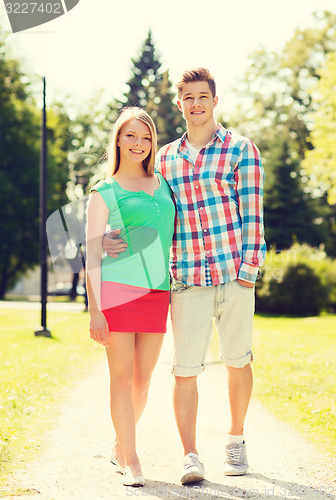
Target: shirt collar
[219, 133]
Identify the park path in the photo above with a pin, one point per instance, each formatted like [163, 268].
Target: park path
[74, 461]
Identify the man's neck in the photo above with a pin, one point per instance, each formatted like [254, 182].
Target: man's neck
[201, 135]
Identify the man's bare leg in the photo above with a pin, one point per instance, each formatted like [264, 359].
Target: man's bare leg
[240, 383]
[185, 407]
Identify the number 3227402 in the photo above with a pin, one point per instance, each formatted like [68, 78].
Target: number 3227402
[31, 7]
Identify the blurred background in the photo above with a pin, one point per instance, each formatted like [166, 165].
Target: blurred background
[275, 68]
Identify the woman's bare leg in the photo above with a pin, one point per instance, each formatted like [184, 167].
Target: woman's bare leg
[147, 350]
[120, 356]
[147, 347]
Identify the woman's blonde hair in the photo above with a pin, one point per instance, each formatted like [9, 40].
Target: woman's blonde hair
[113, 152]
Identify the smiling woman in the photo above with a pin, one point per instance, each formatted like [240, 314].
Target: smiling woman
[129, 293]
[135, 141]
[134, 130]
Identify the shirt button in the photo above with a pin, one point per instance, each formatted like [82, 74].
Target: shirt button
[197, 186]
[204, 230]
[201, 208]
[208, 251]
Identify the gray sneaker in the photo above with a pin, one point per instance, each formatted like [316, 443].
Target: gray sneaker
[236, 459]
[193, 469]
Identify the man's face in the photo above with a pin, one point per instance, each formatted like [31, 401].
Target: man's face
[196, 103]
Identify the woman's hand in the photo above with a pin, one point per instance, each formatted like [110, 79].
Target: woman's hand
[99, 328]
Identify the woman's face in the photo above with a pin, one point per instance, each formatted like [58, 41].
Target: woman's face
[135, 141]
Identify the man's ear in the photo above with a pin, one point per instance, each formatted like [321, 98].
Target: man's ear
[215, 101]
[179, 105]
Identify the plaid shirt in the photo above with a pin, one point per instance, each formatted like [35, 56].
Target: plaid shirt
[219, 218]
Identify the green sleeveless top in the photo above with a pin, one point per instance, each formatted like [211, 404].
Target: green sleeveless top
[147, 226]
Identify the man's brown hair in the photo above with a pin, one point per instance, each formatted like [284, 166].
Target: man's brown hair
[196, 75]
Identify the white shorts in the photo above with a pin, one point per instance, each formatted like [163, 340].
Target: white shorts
[193, 309]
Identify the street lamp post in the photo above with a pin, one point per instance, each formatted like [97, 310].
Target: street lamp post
[43, 331]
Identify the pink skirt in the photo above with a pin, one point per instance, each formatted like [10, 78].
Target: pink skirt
[134, 309]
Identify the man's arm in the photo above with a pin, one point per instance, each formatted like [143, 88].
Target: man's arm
[250, 180]
[113, 245]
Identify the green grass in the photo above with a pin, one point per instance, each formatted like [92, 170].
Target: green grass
[295, 373]
[36, 373]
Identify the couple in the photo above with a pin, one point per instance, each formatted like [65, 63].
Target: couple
[211, 181]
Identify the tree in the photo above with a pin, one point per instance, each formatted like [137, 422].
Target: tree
[145, 78]
[275, 111]
[167, 117]
[19, 174]
[320, 162]
[89, 138]
[151, 89]
[289, 212]
[19, 169]
[276, 86]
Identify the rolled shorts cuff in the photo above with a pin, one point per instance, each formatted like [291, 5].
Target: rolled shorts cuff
[187, 371]
[238, 363]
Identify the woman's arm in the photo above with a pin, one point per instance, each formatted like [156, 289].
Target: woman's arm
[97, 216]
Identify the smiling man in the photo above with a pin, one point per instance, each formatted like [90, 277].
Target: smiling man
[218, 246]
[217, 180]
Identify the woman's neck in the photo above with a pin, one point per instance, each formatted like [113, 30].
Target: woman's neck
[131, 170]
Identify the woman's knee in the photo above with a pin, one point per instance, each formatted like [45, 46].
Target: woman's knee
[121, 379]
[141, 382]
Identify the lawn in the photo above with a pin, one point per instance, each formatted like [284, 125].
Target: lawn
[36, 374]
[295, 373]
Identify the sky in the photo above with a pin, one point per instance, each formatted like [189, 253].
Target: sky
[90, 48]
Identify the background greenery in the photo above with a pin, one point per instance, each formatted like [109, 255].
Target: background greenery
[295, 372]
[286, 105]
[294, 376]
[299, 281]
[36, 373]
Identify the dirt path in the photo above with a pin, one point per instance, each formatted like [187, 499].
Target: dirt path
[74, 463]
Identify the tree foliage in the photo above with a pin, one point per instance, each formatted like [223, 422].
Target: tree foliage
[276, 87]
[90, 132]
[19, 173]
[320, 162]
[289, 211]
[20, 120]
[151, 89]
[275, 111]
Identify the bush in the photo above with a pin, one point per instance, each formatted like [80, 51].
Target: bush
[300, 281]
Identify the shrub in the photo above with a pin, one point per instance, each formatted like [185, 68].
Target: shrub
[300, 281]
